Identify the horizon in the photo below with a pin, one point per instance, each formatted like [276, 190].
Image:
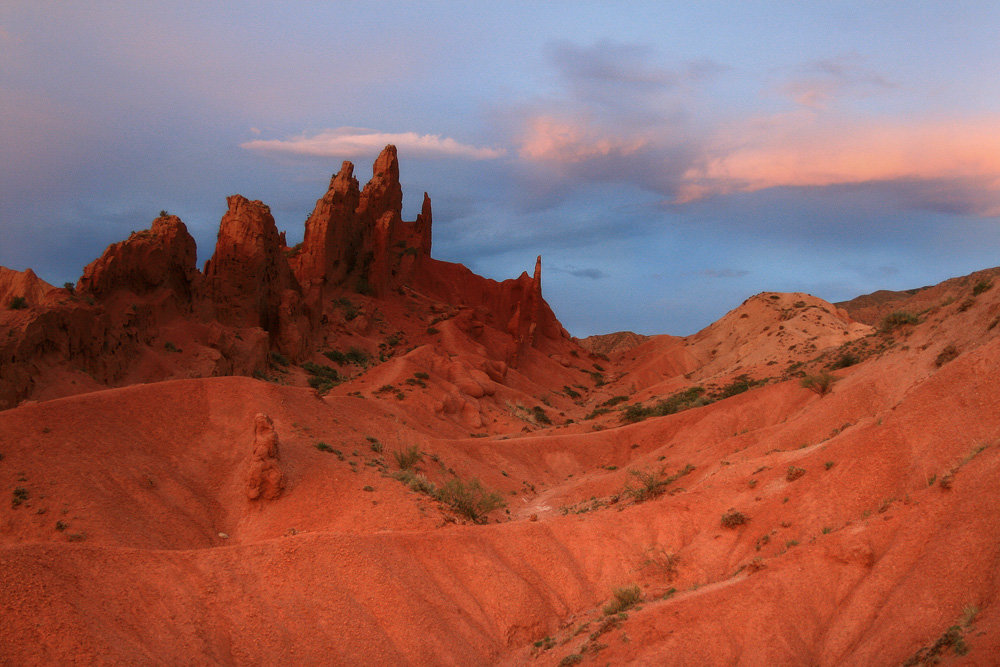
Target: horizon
[666, 162]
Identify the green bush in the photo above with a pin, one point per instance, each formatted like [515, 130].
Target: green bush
[682, 400]
[947, 354]
[654, 484]
[321, 378]
[821, 383]
[898, 318]
[732, 519]
[739, 385]
[18, 303]
[470, 499]
[624, 598]
[541, 417]
[407, 458]
[981, 287]
[612, 402]
[570, 392]
[845, 360]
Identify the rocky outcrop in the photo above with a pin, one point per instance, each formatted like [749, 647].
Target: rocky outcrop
[162, 256]
[531, 318]
[21, 285]
[264, 478]
[355, 239]
[249, 281]
[333, 239]
[358, 238]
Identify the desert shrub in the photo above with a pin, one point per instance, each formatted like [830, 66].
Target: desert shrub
[898, 318]
[598, 378]
[732, 519]
[420, 375]
[470, 499]
[416, 482]
[624, 598]
[358, 356]
[323, 447]
[682, 400]
[69, 287]
[947, 354]
[845, 360]
[18, 303]
[19, 495]
[570, 392]
[612, 402]
[278, 358]
[739, 385]
[321, 378]
[541, 417]
[336, 356]
[821, 383]
[794, 473]
[431, 331]
[170, 347]
[654, 484]
[407, 458]
[981, 287]
[571, 659]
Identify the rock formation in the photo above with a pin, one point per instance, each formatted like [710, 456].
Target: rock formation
[163, 256]
[355, 242]
[264, 479]
[332, 238]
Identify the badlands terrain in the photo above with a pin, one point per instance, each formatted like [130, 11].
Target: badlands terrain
[348, 452]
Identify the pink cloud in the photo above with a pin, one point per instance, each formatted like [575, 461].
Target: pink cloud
[800, 151]
[549, 139]
[349, 142]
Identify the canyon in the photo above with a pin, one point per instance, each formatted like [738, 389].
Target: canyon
[347, 451]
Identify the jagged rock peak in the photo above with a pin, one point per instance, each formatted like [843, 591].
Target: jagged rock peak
[383, 193]
[422, 226]
[343, 181]
[162, 256]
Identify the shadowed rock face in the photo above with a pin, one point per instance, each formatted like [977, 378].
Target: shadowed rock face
[161, 257]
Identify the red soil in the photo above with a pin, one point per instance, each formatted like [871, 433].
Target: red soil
[128, 534]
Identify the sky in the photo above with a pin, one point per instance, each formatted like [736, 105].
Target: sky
[666, 159]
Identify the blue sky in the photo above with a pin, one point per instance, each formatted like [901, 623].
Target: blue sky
[667, 159]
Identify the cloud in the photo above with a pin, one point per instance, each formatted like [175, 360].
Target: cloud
[820, 81]
[591, 273]
[635, 121]
[351, 142]
[951, 165]
[552, 139]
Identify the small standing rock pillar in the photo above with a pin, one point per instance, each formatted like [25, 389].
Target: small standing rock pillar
[264, 477]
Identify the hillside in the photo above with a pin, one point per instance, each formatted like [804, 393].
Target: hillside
[350, 452]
